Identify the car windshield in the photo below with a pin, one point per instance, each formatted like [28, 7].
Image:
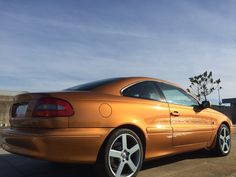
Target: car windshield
[92, 85]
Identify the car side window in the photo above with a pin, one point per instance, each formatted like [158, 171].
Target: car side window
[144, 90]
[176, 95]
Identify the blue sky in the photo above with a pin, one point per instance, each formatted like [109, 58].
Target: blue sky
[50, 45]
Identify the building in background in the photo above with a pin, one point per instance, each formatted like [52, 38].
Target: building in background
[228, 108]
[232, 108]
[6, 99]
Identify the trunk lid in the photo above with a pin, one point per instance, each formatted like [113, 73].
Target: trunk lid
[22, 111]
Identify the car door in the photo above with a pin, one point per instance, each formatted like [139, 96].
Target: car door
[191, 125]
[154, 111]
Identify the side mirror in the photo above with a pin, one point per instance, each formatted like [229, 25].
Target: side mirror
[205, 104]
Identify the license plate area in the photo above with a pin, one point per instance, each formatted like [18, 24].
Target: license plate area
[19, 110]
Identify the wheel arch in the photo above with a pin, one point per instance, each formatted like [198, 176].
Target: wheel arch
[226, 123]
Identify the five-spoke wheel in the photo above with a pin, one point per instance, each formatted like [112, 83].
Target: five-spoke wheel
[223, 141]
[123, 155]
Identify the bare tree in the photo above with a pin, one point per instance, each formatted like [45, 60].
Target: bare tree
[203, 85]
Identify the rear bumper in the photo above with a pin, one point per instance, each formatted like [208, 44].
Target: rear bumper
[69, 145]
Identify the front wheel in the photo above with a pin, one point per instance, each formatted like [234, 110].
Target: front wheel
[223, 141]
[122, 155]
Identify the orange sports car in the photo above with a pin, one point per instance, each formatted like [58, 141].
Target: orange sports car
[116, 123]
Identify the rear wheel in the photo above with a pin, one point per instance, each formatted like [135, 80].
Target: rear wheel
[122, 155]
[223, 141]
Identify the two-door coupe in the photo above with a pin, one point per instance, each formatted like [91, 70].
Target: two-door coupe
[116, 123]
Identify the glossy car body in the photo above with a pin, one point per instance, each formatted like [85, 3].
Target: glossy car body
[164, 128]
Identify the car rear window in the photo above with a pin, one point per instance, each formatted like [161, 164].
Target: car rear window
[144, 90]
[92, 85]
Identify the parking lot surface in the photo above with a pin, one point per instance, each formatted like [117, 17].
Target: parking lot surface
[194, 164]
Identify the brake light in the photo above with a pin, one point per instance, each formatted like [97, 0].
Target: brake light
[53, 107]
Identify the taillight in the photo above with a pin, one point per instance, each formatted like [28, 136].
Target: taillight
[53, 107]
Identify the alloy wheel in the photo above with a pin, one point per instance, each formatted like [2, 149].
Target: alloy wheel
[225, 141]
[124, 155]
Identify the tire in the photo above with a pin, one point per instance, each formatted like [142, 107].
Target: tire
[122, 155]
[223, 141]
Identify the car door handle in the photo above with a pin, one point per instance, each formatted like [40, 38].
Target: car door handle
[174, 113]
